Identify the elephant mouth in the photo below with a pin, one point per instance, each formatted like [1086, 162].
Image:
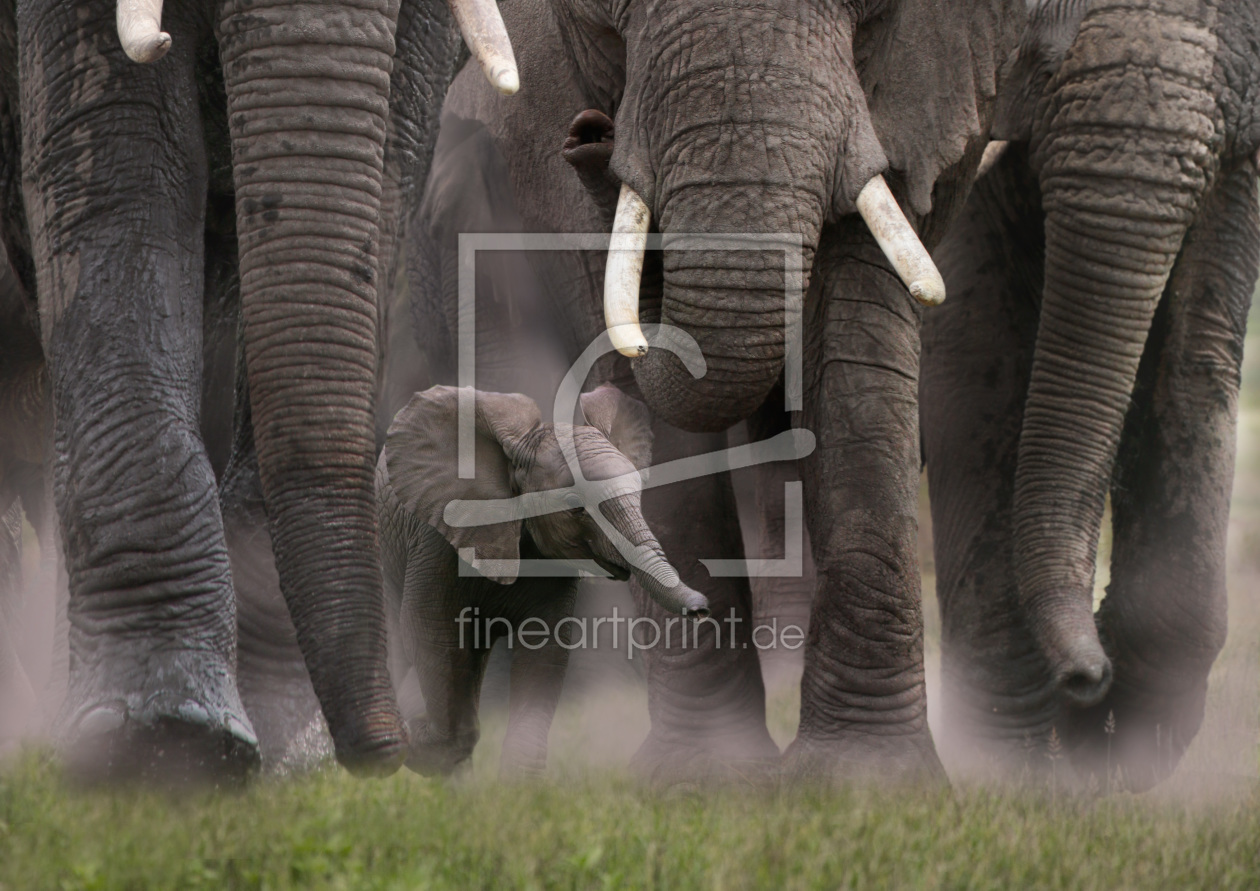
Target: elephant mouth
[590, 140]
[618, 571]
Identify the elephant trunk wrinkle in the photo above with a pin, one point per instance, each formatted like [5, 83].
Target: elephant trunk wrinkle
[1108, 258]
[649, 565]
[1120, 188]
[308, 90]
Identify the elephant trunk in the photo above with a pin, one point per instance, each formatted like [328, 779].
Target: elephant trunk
[308, 91]
[1119, 195]
[741, 196]
[647, 563]
[661, 582]
[731, 301]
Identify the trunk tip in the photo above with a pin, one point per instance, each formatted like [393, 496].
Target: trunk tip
[376, 748]
[696, 605]
[1085, 678]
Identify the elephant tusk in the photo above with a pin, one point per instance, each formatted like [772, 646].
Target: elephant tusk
[899, 243]
[992, 152]
[624, 271]
[140, 30]
[487, 39]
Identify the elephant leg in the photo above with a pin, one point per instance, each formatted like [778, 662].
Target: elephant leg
[863, 701]
[1163, 620]
[977, 356]
[706, 698]
[40, 639]
[537, 681]
[443, 738]
[115, 181]
[271, 675]
[449, 656]
[780, 602]
[17, 697]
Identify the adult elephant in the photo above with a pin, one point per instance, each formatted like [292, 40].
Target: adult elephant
[785, 121]
[261, 125]
[1100, 280]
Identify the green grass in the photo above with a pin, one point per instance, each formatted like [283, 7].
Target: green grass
[330, 831]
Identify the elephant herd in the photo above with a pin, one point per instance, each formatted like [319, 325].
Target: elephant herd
[290, 292]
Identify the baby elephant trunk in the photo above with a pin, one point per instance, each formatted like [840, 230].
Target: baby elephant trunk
[662, 583]
[629, 542]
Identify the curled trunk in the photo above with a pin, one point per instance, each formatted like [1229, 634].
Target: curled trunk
[733, 304]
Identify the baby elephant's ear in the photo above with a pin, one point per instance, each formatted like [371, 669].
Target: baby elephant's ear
[624, 420]
[422, 459]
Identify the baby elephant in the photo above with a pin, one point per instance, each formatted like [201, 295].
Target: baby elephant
[454, 548]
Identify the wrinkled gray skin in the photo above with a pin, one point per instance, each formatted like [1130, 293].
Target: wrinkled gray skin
[1099, 284]
[125, 192]
[449, 620]
[744, 116]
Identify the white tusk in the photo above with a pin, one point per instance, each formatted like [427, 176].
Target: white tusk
[992, 152]
[487, 39]
[910, 260]
[140, 30]
[623, 273]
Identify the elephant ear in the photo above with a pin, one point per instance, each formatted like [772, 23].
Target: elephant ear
[1052, 28]
[422, 458]
[624, 421]
[930, 70]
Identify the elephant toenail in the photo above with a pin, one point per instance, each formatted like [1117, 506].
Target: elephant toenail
[102, 720]
[192, 712]
[241, 731]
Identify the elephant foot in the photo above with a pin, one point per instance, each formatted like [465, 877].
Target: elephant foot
[433, 756]
[522, 764]
[864, 759]
[521, 770]
[1123, 746]
[174, 719]
[668, 762]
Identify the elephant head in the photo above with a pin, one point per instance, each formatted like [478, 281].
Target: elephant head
[518, 456]
[308, 104]
[777, 134]
[1130, 112]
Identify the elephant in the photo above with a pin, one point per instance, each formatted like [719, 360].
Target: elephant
[833, 133]
[450, 618]
[23, 383]
[154, 166]
[1100, 279]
